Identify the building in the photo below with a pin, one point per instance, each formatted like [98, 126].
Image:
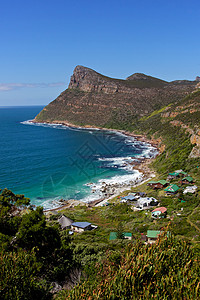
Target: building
[130, 197]
[158, 184]
[81, 226]
[187, 180]
[172, 175]
[177, 173]
[113, 236]
[146, 202]
[152, 235]
[157, 212]
[172, 189]
[65, 222]
[190, 189]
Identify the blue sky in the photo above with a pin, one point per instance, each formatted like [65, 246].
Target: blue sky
[43, 41]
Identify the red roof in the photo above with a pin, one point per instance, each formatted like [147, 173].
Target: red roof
[161, 209]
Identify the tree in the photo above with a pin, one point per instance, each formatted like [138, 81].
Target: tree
[34, 232]
[9, 199]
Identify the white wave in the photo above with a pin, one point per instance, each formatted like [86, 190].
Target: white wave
[115, 159]
[149, 152]
[119, 162]
[55, 125]
[47, 203]
[123, 179]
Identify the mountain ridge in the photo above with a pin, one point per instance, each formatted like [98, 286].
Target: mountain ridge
[94, 99]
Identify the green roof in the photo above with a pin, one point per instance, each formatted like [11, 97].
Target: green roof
[182, 172]
[174, 174]
[172, 188]
[188, 178]
[153, 233]
[163, 182]
[113, 235]
[152, 181]
[160, 181]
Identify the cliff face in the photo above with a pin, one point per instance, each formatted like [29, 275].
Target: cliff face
[88, 80]
[94, 99]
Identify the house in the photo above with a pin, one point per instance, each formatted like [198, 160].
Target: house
[146, 202]
[172, 175]
[172, 189]
[65, 222]
[113, 236]
[156, 213]
[152, 235]
[130, 197]
[81, 226]
[187, 180]
[158, 184]
[182, 173]
[190, 189]
[177, 173]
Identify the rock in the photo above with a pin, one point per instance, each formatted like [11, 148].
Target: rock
[88, 80]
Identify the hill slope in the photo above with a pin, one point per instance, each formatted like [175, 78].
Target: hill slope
[94, 99]
[177, 127]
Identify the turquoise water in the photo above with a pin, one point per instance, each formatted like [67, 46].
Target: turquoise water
[47, 162]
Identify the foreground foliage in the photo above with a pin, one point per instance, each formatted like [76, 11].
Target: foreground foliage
[18, 277]
[168, 269]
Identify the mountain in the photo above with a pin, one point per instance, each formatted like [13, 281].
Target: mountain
[97, 100]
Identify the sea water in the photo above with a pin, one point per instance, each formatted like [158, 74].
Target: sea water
[51, 162]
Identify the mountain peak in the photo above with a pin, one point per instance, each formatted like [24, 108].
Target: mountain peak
[88, 80]
[137, 76]
[144, 77]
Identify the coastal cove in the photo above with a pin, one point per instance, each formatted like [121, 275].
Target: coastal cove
[67, 162]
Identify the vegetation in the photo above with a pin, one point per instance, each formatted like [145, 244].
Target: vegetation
[33, 254]
[167, 269]
[36, 255]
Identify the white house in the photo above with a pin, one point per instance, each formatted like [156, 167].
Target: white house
[81, 226]
[145, 202]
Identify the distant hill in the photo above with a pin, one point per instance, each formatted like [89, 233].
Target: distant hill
[97, 100]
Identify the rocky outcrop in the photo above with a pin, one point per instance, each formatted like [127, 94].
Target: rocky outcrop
[88, 80]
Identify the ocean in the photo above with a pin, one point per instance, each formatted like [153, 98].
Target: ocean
[47, 163]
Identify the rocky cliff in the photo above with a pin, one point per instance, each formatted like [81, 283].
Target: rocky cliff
[96, 100]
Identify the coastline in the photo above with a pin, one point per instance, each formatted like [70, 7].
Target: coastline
[147, 174]
[142, 138]
[141, 166]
